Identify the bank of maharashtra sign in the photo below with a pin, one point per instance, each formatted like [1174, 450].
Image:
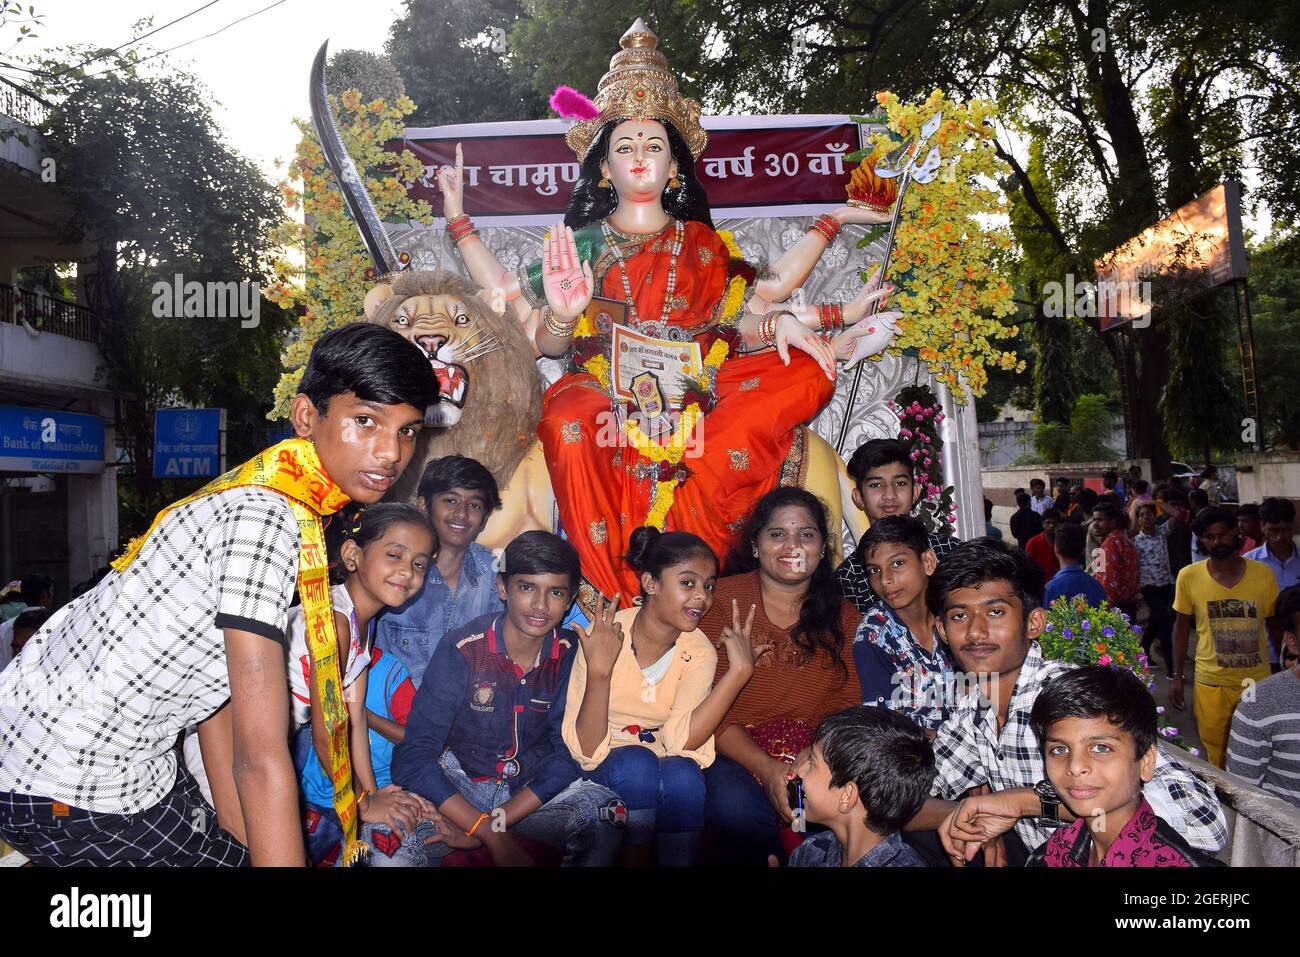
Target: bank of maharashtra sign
[46, 440]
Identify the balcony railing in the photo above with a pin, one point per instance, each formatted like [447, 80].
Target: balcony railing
[47, 314]
[17, 104]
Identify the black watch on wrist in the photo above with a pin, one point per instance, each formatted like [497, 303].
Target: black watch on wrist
[1049, 803]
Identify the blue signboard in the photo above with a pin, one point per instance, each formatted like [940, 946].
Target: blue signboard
[46, 440]
[187, 443]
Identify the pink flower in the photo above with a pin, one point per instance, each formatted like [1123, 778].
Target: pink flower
[1104, 660]
[920, 418]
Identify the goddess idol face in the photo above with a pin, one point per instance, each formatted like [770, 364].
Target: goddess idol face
[640, 161]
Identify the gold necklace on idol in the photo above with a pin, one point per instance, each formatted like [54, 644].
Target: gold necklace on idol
[674, 247]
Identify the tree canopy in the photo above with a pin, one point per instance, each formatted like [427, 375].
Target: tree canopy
[149, 176]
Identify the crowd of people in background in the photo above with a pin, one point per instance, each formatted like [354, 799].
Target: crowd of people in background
[776, 705]
[1179, 560]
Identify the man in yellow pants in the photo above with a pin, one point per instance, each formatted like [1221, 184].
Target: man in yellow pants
[1230, 599]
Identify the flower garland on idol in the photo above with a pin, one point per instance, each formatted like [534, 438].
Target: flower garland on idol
[919, 414]
[591, 353]
[1083, 634]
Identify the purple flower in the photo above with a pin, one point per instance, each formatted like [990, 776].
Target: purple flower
[1194, 752]
[1068, 633]
[1086, 625]
[1049, 627]
[1108, 632]
[1160, 709]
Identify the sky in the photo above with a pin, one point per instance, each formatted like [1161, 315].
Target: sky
[257, 71]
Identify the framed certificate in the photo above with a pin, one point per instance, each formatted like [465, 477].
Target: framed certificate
[638, 362]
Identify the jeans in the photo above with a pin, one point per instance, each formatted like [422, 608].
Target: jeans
[740, 817]
[388, 848]
[323, 833]
[1160, 626]
[584, 820]
[664, 798]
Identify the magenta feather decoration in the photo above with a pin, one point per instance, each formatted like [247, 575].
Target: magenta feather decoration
[569, 102]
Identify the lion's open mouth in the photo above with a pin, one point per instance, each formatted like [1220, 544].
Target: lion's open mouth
[453, 380]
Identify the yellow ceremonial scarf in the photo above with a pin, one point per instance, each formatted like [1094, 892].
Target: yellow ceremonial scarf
[293, 470]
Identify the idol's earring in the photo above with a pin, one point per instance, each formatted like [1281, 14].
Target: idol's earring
[674, 182]
[604, 181]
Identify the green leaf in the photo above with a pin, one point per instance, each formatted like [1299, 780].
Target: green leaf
[871, 235]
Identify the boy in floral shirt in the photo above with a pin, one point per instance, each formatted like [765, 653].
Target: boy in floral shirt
[902, 662]
[1117, 563]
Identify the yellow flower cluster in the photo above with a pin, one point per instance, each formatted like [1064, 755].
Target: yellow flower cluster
[735, 298]
[598, 365]
[950, 241]
[328, 284]
[672, 453]
[717, 354]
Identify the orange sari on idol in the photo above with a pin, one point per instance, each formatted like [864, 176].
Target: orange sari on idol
[746, 443]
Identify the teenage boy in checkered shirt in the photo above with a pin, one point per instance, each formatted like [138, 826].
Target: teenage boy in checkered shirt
[195, 627]
[987, 596]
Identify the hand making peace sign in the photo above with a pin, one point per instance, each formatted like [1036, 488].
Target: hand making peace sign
[742, 653]
[603, 641]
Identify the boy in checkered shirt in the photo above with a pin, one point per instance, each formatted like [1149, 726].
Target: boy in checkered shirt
[193, 630]
[987, 597]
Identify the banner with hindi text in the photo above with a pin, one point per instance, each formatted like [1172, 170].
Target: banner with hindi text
[521, 173]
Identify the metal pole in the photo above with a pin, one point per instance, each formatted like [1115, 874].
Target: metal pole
[906, 179]
[1253, 397]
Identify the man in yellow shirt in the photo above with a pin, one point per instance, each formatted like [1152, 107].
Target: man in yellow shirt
[1230, 599]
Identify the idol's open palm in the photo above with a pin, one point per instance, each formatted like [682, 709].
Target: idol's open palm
[567, 280]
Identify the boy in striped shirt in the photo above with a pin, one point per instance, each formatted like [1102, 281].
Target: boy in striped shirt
[1264, 747]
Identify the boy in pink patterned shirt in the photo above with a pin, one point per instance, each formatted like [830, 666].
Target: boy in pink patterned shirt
[1097, 726]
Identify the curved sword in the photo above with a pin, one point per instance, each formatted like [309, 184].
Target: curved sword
[350, 183]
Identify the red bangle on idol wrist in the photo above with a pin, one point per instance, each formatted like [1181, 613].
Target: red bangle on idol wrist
[827, 226]
[461, 227]
[831, 317]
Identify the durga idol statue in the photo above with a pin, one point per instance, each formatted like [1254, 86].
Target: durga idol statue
[689, 372]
